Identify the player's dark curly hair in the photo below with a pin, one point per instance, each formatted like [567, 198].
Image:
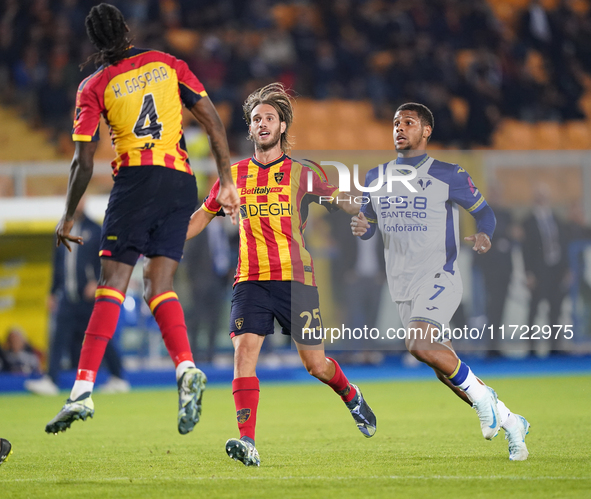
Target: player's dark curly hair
[423, 112]
[106, 28]
[275, 95]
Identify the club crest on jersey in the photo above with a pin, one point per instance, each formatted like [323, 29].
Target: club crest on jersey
[423, 184]
[242, 415]
[279, 177]
[239, 323]
[472, 187]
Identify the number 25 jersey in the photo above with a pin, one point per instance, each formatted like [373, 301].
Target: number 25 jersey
[141, 100]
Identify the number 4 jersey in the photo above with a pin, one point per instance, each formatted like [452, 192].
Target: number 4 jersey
[141, 100]
[421, 229]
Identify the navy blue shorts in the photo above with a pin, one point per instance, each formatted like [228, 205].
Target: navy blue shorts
[148, 214]
[295, 306]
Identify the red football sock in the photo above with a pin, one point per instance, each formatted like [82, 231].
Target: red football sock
[170, 318]
[99, 331]
[246, 398]
[340, 384]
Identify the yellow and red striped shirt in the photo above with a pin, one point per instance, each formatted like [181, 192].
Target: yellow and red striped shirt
[141, 100]
[273, 211]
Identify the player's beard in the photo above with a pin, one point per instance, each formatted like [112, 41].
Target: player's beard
[275, 138]
[409, 146]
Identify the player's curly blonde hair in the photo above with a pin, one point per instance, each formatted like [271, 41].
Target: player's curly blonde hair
[275, 95]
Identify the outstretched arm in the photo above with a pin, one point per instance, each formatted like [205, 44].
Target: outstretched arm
[80, 175]
[199, 220]
[347, 203]
[208, 117]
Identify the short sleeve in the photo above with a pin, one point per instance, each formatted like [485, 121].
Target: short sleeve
[320, 187]
[463, 191]
[88, 114]
[210, 205]
[191, 88]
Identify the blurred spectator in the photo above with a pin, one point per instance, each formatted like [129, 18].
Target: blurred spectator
[447, 131]
[483, 93]
[497, 266]
[54, 101]
[321, 49]
[545, 258]
[19, 356]
[357, 274]
[75, 278]
[578, 231]
[209, 269]
[536, 29]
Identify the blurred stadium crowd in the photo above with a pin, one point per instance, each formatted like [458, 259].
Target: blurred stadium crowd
[531, 68]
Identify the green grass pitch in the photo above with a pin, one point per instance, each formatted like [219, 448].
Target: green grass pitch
[428, 445]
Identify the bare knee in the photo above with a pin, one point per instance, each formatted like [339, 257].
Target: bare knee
[158, 276]
[153, 288]
[317, 368]
[246, 353]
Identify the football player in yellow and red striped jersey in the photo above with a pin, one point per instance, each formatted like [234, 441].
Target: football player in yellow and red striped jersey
[140, 94]
[275, 274]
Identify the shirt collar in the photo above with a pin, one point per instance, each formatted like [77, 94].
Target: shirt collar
[415, 161]
[271, 163]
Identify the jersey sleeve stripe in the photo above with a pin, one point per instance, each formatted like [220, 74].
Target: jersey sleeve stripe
[476, 205]
[76, 137]
[201, 93]
[205, 208]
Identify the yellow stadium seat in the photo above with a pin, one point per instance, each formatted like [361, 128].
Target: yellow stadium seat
[548, 135]
[514, 135]
[378, 136]
[578, 135]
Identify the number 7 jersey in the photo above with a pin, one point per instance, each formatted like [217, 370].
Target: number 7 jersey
[141, 100]
[420, 229]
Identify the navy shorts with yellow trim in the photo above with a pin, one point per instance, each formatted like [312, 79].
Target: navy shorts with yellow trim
[148, 214]
[255, 304]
